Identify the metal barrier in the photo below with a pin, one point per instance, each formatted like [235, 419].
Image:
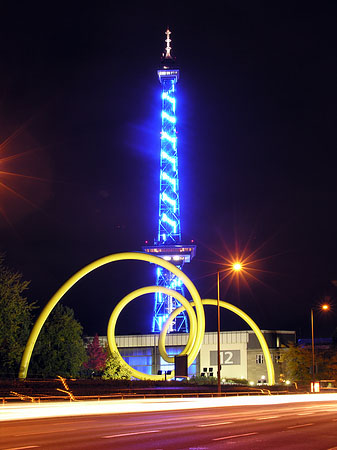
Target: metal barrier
[127, 396]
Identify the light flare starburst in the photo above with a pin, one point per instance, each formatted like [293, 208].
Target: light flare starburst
[241, 267]
[23, 167]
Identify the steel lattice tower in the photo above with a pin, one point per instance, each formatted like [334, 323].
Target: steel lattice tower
[168, 243]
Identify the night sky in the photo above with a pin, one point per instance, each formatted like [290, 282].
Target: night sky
[256, 109]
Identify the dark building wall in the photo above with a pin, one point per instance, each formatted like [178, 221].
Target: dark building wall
[274, 339]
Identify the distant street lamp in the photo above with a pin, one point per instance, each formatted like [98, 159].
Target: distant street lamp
[235, 267]
[219, 365]
[324, 307]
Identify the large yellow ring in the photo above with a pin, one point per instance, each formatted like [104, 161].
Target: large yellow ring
[137, 293]
[101, 262]
[197, 324]
[240, 313]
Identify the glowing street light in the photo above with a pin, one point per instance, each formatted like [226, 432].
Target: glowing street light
[237, 266]
[324, 307]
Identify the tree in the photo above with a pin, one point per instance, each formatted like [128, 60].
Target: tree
[114, 369]
[298, 361]
[15, 319]
[97, 356]
[59, 349]
[327, 368]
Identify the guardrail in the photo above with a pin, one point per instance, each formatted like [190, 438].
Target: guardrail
[129, 396]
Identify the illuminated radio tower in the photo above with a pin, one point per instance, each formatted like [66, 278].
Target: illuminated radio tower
[168, 244]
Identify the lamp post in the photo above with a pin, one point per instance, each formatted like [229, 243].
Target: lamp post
[312, 344]
[219, 365]
[236, 267]
[324, 307]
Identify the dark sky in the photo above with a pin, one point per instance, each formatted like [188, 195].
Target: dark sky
[80, 119]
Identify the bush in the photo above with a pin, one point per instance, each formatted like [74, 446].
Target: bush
[241, 381]
[203, 380]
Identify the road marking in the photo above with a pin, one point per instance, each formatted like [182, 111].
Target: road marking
[130, 434]
[213, 424]
[298, 426]
[233, 436]
[198, 448]
[21, 448]
[266, 418]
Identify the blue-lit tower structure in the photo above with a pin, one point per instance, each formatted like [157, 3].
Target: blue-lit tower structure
[168, 244]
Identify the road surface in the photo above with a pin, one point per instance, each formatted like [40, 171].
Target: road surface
[306, 425]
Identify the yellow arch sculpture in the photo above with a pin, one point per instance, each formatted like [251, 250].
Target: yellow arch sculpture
[257, 331]
[235, 310]
[94, 265]
[190, 349]
[197, 321]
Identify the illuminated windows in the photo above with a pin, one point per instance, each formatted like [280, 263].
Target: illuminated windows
[259, 358]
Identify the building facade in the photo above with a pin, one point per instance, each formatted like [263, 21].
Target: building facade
[241, 356]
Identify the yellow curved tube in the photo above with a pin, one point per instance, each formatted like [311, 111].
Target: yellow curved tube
[125, 301]
[89, 268]
[161, 343]
[240, 313]
[257, 331]
[197, 322]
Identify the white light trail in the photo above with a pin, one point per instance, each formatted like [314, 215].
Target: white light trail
[15, 411]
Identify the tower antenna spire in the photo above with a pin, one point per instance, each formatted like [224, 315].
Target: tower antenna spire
[168, 47]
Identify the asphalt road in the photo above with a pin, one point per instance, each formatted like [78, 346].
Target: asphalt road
[309, 425]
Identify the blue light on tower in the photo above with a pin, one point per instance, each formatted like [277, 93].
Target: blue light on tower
[168, 243]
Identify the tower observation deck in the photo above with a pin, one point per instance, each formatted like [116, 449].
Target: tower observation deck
[168, 244]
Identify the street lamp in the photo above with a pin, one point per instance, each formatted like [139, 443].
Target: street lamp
[236, 266]
[324, 307]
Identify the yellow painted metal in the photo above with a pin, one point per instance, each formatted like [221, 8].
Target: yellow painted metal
[125, 301]
[188, 350]
[257, 331]
[99, 263]
[245, 317]
[197, 322]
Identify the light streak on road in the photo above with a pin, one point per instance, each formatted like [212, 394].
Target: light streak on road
[234, 436]
[300, 426]
[16, 411]
[213, 424]
[267, 418]
[136, 433]
[22, 448]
